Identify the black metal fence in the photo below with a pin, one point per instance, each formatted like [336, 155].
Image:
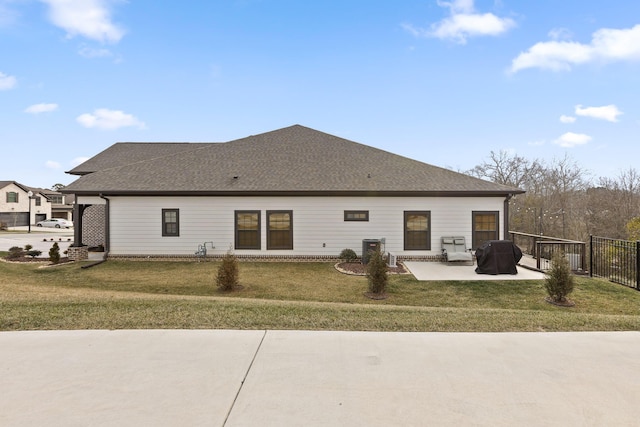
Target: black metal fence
[616, 260]
[539, 250]
[612, 259]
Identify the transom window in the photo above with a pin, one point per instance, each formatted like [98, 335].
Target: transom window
[279, 229]
[12, 197]
[485, 227]
[170, 222]
[247, 224]
[417, 230]
[356, 215]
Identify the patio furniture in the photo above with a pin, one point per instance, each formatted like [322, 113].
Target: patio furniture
[454, 249]
[498, 257]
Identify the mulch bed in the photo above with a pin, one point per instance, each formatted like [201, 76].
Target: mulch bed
[565, 303]
[374, 296]
[359, 269]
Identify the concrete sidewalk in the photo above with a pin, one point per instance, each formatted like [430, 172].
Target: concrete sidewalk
[290, 378]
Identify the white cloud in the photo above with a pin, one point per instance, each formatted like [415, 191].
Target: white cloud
[52, 164]
[7, 82]
[41, 108]
[567, 119]
[571, 139]
[87, 18]
[606, 45]
[463, 23]
[105, 119]
[609, 113]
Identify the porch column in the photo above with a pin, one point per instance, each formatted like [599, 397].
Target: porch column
[78, 212]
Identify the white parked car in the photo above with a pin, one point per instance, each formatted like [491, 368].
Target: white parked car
[55, 222]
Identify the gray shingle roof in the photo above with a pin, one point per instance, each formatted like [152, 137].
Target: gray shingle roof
[5, 183]
[293, 160]
[124, 153]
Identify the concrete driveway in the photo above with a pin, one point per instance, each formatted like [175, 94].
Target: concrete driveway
[40, 238]
[313, 378]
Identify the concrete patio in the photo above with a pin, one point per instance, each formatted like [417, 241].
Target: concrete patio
[441, 271]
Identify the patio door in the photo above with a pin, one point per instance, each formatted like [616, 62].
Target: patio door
[417, 230]
[485, 227]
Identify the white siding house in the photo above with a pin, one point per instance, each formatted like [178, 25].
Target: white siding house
[294, 192]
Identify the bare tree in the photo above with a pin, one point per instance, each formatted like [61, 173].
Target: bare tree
[613, 203]
[560, 198]
[506, 169]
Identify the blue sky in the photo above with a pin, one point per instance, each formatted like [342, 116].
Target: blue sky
[443, 82]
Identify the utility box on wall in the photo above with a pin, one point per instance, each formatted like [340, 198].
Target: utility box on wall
[368, 246]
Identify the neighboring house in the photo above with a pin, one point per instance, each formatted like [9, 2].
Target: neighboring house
[293, 192]
[61, 204]
[15, 204]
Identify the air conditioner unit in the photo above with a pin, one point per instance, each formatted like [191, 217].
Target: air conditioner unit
[392, 259]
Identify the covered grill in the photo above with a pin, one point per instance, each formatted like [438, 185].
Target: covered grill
[498, 257]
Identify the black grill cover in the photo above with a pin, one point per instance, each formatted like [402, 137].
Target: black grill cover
[498, 257]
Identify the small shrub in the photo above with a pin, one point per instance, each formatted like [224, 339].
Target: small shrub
[54, 254]
[559, 282]
[15, 252]
[3, 226]
[348, 255]
[34, 253]
[227, 277]
[377, 273]
[28, 247]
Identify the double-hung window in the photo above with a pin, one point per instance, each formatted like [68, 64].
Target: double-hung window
[12, 197]
[247, 225]
[170, 222]
[279, 229]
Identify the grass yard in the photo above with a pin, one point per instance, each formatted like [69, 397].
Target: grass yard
[152, 294]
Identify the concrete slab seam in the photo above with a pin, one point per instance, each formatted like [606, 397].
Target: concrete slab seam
[246, 374]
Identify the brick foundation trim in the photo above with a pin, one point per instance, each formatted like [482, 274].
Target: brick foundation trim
[78, 253]
[260, 258]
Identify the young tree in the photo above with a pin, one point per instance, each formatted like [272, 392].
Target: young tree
[559, 282]
[377, 273]
[228, 272]
[54, 254]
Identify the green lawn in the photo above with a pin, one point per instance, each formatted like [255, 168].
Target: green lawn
[152, 294]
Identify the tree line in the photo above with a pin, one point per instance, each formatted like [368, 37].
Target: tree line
[563, 199]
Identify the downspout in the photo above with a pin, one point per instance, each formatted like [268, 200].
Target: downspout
[107, 227]
[505, 231]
